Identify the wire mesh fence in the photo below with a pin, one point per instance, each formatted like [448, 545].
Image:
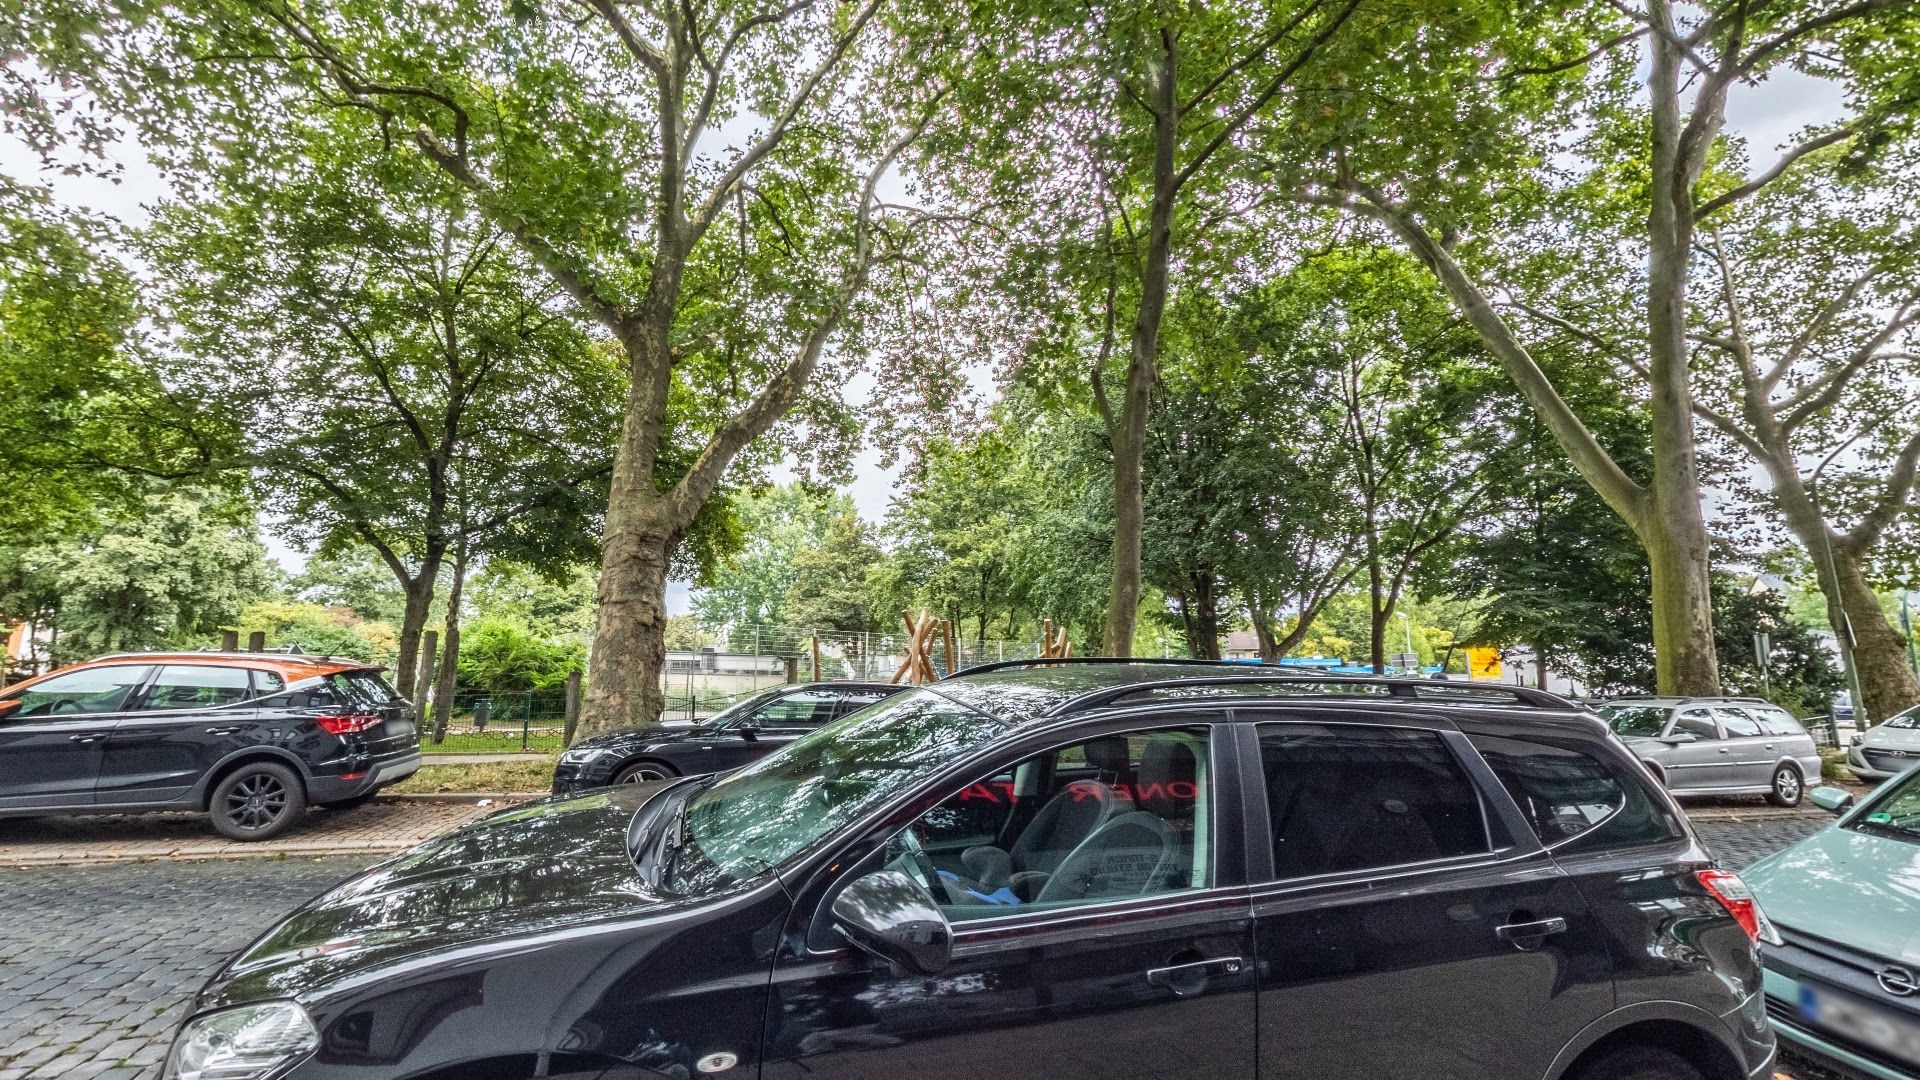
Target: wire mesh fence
[704, 675]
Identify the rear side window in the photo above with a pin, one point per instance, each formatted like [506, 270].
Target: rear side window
[1574, 798]
[361, 688]
[1740, 723]
[1779, 723]
[1345, 797]
[192, 686]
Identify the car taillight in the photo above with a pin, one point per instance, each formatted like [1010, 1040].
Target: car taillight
[1733, 894]
[347, 723]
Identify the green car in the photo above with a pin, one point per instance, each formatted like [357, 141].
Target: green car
[1843, 981]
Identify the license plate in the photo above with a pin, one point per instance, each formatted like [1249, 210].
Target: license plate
[1891, 1034]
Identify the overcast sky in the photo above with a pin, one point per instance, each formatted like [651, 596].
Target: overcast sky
[1768, 115]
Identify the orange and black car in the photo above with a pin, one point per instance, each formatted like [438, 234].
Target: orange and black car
[251, 739]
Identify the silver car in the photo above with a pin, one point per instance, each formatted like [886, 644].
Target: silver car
[1887, 750]
[1719, 746]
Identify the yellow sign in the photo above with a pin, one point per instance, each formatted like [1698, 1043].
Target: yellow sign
[1483, 664]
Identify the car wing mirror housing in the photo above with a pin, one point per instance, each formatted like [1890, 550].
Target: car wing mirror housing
[1679, 737]
[1832, 799]
[8, 708]
[749, 730]
[891, 916]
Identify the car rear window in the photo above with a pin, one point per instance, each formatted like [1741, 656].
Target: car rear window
[1576, 799]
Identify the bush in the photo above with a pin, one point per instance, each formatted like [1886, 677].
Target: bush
[499, 654]
[320, 630]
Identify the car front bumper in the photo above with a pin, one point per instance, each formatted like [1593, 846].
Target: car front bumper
[1783, 1009]
[1880, 765]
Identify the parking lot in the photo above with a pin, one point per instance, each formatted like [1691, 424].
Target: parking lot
[98, 961]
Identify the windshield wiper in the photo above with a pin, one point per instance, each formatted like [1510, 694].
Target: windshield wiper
[673, 836]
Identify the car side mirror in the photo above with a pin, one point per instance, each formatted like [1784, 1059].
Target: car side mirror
[1832, 799]
[749, 731]
[1679, 737]
[889, 915]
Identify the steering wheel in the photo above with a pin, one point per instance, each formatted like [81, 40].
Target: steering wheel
[65, 704]
[937, 885]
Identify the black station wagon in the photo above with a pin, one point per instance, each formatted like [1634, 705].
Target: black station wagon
[1053, 869]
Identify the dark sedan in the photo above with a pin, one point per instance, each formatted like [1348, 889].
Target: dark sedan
[746, 731]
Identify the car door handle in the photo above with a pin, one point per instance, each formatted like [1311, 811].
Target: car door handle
[1527, 935]
[1188, 979]
[85, 738]
[223, 731]
[1724, 750]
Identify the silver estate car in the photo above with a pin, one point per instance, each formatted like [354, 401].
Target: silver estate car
[1887, 749]
[1719, 746]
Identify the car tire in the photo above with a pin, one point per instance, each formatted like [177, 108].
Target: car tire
[257, 801]
[354, 803]
[644, 772]
[1640, 1063]
[1788, 787]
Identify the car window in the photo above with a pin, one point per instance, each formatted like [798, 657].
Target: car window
[267, 682]
[1112, 818]
[1345, 797]
[193, 686]
[1775, 722]
[1739, 723]
[1646, 721]
[1698, 722]
[1896, 813]
[855, 700]
[808, 708]
[79, 693]
[1575, 799]
[761, 816]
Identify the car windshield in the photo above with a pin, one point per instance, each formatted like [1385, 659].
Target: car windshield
[744, 707]
[1644, 720]
[1896, 812]
[778, 807]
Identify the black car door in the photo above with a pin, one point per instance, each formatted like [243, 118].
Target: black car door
[188, 719]
[771, 726]
[1129, 956]
[52, 742]
[1410, 925]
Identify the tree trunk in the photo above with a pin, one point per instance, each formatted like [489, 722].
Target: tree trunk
[629, 638]
[1128, 431]
[1262, 620]
[423, 716]
[1887, 683]
[449, 652]
[418, 591]
[1203, 634]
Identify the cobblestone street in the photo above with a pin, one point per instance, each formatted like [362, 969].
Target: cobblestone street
[98, 962]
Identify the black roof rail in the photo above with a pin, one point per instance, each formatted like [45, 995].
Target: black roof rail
[1048, 661]
[1404, 689]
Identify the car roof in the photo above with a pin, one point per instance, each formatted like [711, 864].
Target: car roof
[843, 684]
[1676, 702]
[289, 666]
[1028, 693]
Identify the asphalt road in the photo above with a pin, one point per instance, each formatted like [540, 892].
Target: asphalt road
[97, 963]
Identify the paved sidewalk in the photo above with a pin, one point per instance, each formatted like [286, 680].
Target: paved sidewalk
[381, 827]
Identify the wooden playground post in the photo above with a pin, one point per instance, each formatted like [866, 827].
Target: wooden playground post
[816, 658]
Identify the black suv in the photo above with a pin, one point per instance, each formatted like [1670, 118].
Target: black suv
[251, 738]
[747, 730]
[1056, 869]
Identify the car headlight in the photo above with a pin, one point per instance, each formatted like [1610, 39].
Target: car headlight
[244, 1043]
[580, 756]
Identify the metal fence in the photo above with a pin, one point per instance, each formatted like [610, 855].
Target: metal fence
[717, 668]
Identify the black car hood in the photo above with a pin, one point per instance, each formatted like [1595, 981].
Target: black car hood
[509, 875]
